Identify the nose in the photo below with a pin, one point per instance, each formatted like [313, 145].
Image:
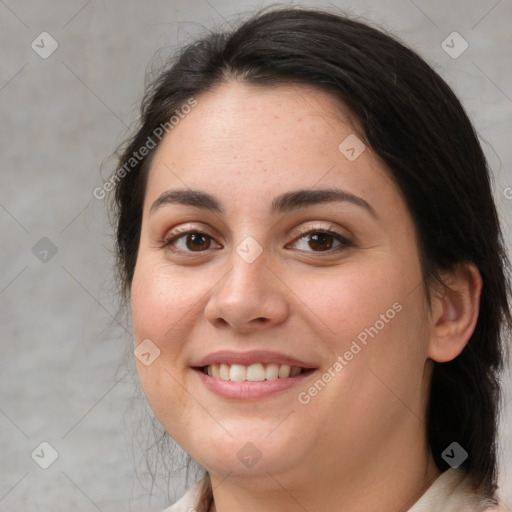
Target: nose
[249, 297]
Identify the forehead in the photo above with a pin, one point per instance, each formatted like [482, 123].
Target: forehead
[247, 142]
[237, 116]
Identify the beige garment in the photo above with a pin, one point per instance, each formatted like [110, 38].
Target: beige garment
[451, 492]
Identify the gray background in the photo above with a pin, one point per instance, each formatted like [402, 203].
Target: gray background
[65, 375]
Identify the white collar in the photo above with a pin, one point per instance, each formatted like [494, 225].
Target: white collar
[451, 492]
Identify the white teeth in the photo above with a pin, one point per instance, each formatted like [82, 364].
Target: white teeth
[271, 371]
[224, 371]
[237, 372]
[254, 373]
[284, 371]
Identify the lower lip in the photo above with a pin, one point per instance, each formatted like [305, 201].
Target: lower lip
[248, 390]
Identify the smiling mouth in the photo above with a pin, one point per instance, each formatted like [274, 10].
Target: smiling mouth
[253, 373]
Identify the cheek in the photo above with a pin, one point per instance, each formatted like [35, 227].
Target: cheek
[160, 306]
[159, 302]
[376, 325]
[352, 299]
[372, 314]
[384, 342]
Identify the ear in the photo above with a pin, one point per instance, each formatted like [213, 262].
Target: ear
[454, 312]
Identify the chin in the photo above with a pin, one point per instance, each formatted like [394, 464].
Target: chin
[251, 452]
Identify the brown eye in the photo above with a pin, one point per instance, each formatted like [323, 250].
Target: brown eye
[190, 241]
[322, 241]
[197, 241]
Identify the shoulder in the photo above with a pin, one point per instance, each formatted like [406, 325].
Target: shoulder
[188, 501]
[453, 492]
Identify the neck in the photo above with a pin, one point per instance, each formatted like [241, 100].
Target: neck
[388, 484]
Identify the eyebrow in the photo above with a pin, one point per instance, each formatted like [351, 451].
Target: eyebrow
[287, 202]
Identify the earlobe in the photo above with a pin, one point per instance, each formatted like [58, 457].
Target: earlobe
[455, 312]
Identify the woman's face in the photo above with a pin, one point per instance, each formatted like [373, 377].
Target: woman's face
[301, 253]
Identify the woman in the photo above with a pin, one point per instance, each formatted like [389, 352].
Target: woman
[308, 240]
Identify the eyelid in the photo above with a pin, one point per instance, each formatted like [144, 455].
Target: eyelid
[305, 230]
[190, 228]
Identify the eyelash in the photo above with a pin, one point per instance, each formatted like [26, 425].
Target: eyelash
[167, 243]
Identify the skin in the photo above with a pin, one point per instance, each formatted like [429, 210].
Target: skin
[359, 444]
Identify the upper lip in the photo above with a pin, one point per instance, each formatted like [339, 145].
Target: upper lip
[250, 357]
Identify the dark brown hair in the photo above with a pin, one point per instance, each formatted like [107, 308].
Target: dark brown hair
[415, 124]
